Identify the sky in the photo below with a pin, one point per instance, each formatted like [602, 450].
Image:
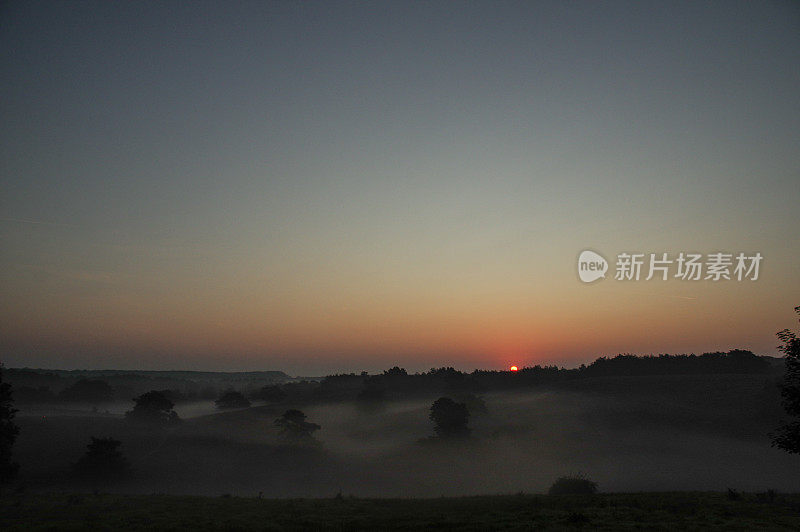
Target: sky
[322, 187]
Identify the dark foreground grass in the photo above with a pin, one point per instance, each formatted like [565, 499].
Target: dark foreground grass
[650, 511]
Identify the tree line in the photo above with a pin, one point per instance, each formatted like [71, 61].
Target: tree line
[449, 416]
[397, 381]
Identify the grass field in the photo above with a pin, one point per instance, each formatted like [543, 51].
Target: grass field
[650, 511]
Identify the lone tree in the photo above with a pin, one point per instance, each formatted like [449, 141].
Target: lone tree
[102, 461]
[153, 408]
[787, 437]
[232, 399]
[295, 428]
[8, 432]
[450, 418]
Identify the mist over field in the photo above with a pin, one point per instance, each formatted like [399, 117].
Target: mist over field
[628, 433]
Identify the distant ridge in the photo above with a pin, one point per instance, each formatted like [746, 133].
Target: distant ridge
[188, 374]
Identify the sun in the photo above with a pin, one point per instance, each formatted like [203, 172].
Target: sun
[514, 368]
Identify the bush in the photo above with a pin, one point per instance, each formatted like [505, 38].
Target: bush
[573, 485]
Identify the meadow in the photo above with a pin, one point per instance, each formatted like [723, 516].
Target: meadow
[667, 452]
[632, 433]
[633, 511]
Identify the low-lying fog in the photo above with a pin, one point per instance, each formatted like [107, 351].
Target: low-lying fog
[114, 409]
[652, 439]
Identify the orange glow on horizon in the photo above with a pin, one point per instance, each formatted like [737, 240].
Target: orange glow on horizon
[514, 368]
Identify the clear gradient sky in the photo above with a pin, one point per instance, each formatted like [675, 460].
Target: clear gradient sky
[322, 187]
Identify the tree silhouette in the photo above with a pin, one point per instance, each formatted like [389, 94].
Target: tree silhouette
[102, 461]
[787, 437]
[92, 391]
[450, 418]
[573, 485]
[8, 432]
[153, 408]
[232, 399]
[395, 372]
[295, 428]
